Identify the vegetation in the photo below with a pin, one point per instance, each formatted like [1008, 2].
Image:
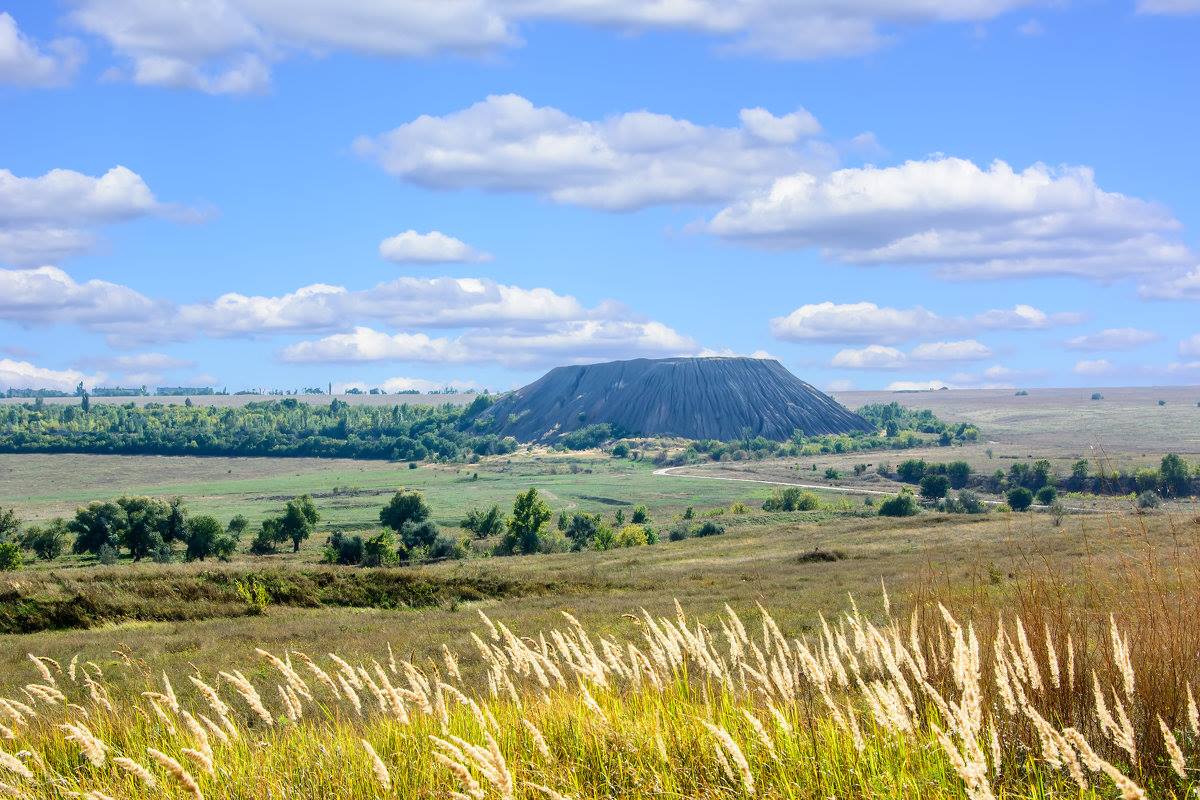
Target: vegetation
[902, 505]
[792, 498]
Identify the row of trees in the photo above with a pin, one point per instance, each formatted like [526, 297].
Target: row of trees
[1174, 477]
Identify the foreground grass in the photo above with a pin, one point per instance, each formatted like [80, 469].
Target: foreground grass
[891, 707]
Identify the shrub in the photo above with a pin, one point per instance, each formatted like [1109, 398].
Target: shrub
[832, 474]
[959, 472]
[10, 555]
[488, 523]
[381, 550]
[679, 531]
[1097, 396]
[739, 508]
[710, 528]
[620, 450]
[405, 506]
[1020, 498]
[689, 513]
[582, 528]
[911, 470]
[524, 527]
[444, 548]
[1046, 495]
[902, 505]
[107, 555]
[970, 503]
[1147, 500]
[343, 549]
[792, 499]
[631, 536]
[417, 534]
[934, 487]
[641, 515]
[604, 539]
[47, 542]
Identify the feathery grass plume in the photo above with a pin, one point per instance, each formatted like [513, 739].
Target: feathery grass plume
[1051, 657]
[451, 663]
[293, 679]
[1120, 654]
[176, 771]
[197, 731]
[395, 701]
[1178, 762]
[539, 741]
[72, 667]
[735, 755]
[7, 732]
[1193, 713]
[320, 674]
[969, 764]
[43, 670]
[47, 694]
[202, 759]
[350, 694]
[136, 770]
[89, 744]
[246, 689]
[13, 764]
[378, 767]
[169, 692]
[95, 794]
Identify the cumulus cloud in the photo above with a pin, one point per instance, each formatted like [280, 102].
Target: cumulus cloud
[574, 341]
[48, 296]
[24, 63]
[48, 217]
[1099, 366]
[434, 247]
[1174, 7]
[882, 357]
[967, 222]
[632, 160]
[403, 302]
[859, 322]
[1190, 347]
[1113, 339]
[228, 46]
[24, 375]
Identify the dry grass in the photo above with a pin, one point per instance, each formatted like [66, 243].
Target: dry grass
[1065, 683]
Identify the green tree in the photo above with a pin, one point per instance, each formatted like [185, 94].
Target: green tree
[47, 541]
[380, 550]
[147, 523]
[641, 515]
[934, 487]
[10, 555]
[237, 526]
[405, 506]
[490, 522]
[959, 472]
[582, 528]
[96, 525]
[1173, 477]
[201, 535]
[1020, 498]
[902, 505]
[299, 517]
[1046, 495]
[10, 523]
[911, 470]
[529, 514]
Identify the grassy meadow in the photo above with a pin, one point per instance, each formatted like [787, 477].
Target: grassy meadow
[641, 672]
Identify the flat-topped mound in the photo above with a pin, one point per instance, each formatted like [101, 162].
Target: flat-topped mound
[695, 398]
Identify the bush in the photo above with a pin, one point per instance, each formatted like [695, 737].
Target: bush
[405, 506]
[832, 474]
[1097, 396]
[710, 528]
[902, 505]
[10, 555]
[343, 549]
[911, 470]
[791, 499]
[739, 508]
[959, 472]
[381, 550]
[679, 531]
[484, 523]
[620, 450]
[1020, 498]
[1046, 495]
[970, 503]
[582, 528]
[107, 555]
[1147, 500]
[641, 515]
[631, 536]
[47, 542]
[934, 487]
[443, 548]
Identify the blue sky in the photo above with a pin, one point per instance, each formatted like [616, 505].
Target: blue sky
[252, 193]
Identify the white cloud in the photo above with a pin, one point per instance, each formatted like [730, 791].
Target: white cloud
[24, 375]
[636, 159]
[574, 341]
[1190, 347]
[840, 385]
[24, 63]
[1113, 339]
[877, 356]
[967, 222]
[1179, 7]
[1172, 285]
[1099, 366]
[228, 45]
[916, 386]
[434, 247]
[403, 302]
[47, 296]
[858, 322]
[1031, 27]
[46, 218]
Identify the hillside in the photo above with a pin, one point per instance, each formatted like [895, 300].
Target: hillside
[697, 398]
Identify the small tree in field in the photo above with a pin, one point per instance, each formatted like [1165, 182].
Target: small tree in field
[1020, 498]
[201, 535]
[934, 487]
[405, 506]
[529, 514]
[902, 505]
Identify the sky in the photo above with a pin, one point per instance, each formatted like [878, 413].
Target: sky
[893, 194]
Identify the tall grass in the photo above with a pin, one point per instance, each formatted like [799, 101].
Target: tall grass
[1060, 689]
